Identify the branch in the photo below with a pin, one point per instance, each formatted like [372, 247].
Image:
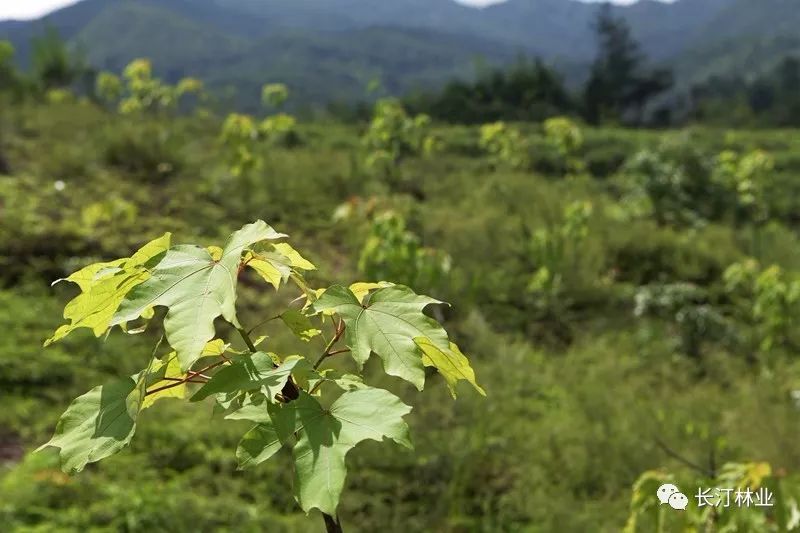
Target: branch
[180, 380]
[247, 341]
[332, 524]
[327, 353]
[189, 377]
[675, 455]
[251, 330]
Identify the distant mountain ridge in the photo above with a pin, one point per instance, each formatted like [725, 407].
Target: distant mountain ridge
[330, 49]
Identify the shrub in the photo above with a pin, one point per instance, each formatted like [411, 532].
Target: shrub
[144, 150]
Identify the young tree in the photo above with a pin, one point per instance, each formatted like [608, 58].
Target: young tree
[9, 78]
[291, 399]
[54, 66]
[618, 83]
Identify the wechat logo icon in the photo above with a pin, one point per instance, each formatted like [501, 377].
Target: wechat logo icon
[672, 496]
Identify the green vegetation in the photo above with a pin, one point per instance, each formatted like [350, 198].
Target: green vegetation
[773, 97]
[628, 300]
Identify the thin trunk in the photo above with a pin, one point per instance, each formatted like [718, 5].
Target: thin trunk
[332, 525]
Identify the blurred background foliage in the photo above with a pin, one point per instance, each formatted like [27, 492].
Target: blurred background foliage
[628, 298]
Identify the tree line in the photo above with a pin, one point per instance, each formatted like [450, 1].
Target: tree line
[770, 99]
[621, 88]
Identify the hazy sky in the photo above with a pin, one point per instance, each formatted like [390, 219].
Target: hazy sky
[34, 8]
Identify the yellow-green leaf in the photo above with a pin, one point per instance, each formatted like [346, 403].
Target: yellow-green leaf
[273, 270]
[451, 364]
[103, 288]
[295, 259]
[362, 288]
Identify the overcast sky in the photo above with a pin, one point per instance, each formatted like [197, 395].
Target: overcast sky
[22, 9]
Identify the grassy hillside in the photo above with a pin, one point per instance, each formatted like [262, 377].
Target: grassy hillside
[587, 380]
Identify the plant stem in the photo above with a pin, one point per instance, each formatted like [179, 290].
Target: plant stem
[675, 455]
[332, 525]
[251, 330]
[179, 380]
[189, 377]
[327, 353]
[247, 341]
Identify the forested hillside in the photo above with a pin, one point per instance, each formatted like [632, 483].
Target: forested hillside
[310, 43]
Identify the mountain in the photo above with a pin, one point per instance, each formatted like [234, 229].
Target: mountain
[330, 49]
[743, 36]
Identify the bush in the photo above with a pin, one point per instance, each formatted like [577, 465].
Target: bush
[148, 152]
[645, 254]
[545, 158]
[603, 161]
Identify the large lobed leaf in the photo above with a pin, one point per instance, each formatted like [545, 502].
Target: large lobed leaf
[95, 426]
[324, 436]
[196, 288]
[386, 322]
[258, 445]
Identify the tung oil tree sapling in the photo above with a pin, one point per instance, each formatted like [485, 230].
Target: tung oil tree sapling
[388, 249]
[566, 137]
[243, 139]
[394, 135]
[139, 91]
[505, 145]
[292, 400]
[767, 300]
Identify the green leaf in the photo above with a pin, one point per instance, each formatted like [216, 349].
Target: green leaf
[258, 445]
[350, 382]
[258, 412]
[387, 322]
[451, 364]
[95, 426]
[196, 288]
[307, 377]
[300, 324]
[256, 372]
[326, 435]
[103, 288]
